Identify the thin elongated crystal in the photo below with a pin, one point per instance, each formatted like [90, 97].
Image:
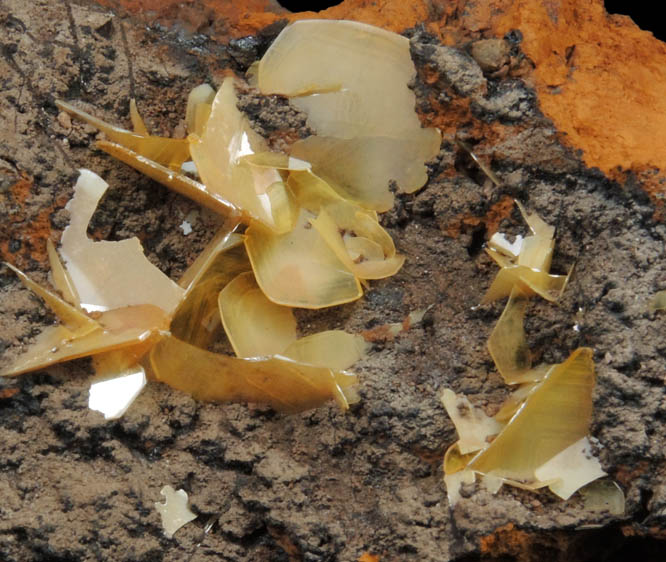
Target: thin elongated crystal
[61, 278]
[174, 180]
[168, 152]
[285, 384]
[507, 344]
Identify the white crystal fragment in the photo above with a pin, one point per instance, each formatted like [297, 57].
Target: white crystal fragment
[570, 469]
[113, 396]
[499, 242]
[174, 511]
[454, 482]
[108, 274]
[472, 424]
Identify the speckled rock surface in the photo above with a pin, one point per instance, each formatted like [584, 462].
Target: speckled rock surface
[321, 485]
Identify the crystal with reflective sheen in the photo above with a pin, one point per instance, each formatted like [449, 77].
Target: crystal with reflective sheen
[310, 239]
[528, 267]
[197, 318]
[260, 193]
[174, 512]
[541, 434]
[555, 415]
[507, 344]
[109, 274]
[351, 79]
[284, 384]
[298, 268]
[255, 326]
[113, 396]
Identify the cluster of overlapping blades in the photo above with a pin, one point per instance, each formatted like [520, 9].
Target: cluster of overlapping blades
[311, 235]
[539, 436]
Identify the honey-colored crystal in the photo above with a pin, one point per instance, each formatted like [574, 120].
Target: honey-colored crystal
[507, 344]
[176, 181]
[284, 384]
[525, 264]
[554, 416]
[358, 241]
[260, 193]
[197, 318]
[299, 268]
[255, 326]
[62, 281]
[168, 152]
[334, 349]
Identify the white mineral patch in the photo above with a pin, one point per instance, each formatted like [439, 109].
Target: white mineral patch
[499, 242]
[186, 227]
[108, 274]
[570, 469]
[472, 424]
[174, 511]
[113, 396]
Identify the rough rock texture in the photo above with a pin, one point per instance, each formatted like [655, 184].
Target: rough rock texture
[325, 485]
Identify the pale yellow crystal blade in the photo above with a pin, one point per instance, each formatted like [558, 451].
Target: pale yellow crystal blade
[61, 279]
[658, 301]
[361, 168]
[168, 152]
[178, 182]
[257, 192]
[199, 103]
[507, 344]
[334, 349]
[537, 225]
[255, 326]
[339, 218]
[197, 318]
[530, 281]
[75, 320]
[536, 252]
[57, 345]
[137, 122]
[298, 268]
[225, 240]
[556, 414]
[365, 68]
[109, 274]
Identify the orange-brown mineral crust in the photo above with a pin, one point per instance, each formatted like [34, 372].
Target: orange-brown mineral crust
[600, 78]
[505, 540]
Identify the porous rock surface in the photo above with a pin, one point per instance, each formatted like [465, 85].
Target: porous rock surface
[326, 485]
